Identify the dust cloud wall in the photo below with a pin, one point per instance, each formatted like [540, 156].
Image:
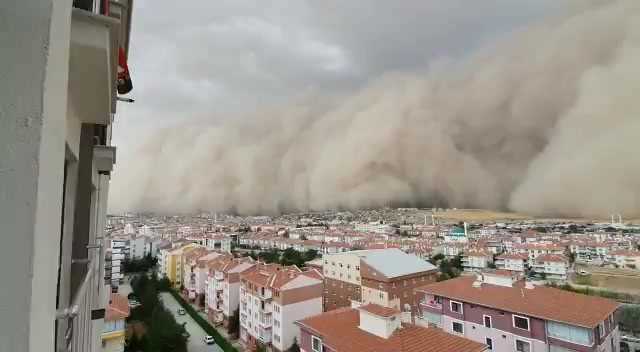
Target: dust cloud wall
[546, 122]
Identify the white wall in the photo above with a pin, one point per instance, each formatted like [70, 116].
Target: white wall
[34, 42]
[289, 314]
[343, 273]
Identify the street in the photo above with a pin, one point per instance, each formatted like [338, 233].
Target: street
[195, 343]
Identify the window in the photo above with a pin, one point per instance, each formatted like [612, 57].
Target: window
[381, 295]
[456, 307]
[489, 342]
[316, 344]
[523, 346]
[457, 327]
[487, 321]
[521, 322]
[357, 267]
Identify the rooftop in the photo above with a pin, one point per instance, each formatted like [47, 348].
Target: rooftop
[339, 329]
[540, 301]
[392, 262]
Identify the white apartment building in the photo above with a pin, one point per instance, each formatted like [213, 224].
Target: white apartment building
[553, 266]
[223, 287]
[57, 101]
[534, 250]
[517, 262]
[272, 298]
[476, 260]
[137, 247]
[625, 259]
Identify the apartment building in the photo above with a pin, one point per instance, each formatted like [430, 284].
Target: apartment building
[625, 259]
[554, 267]
[382, 276]
[58, 98]
[373, 328]
[508, 314]
[476, 260]
[189, 271]
[533, 250]
[223, 287]
[516, 262]
[272, 299]
[174, 263]
[113, 332]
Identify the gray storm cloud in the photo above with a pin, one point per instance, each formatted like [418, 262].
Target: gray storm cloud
[545, 122]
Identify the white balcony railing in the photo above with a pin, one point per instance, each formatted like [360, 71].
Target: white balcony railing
[76, 318]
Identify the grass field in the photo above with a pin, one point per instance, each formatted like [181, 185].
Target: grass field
[478, 215]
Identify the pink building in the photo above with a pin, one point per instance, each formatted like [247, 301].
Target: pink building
[509, 314]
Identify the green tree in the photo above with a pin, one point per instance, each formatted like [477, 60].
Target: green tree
[294, 347]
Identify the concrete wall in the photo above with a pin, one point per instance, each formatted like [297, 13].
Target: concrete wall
[34, 42]
[289, 314]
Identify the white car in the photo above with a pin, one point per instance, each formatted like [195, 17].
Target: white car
[209, 340]
[181, 311]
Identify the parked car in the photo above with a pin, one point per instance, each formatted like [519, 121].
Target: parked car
[181, 311]
[209, 340]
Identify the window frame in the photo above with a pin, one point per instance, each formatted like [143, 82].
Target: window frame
[484, 321]
[486, 342]
[515, 343]
[451, 303]
[457, 322]
[313, 339]
[513, 321]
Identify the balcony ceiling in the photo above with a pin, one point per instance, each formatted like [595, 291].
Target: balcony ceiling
[92, 66]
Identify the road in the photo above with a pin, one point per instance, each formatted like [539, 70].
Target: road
[195, 343]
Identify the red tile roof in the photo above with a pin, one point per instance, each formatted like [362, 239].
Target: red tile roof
[551, 258]
[118, 308]
[513, 256]
[339, 329]
[541, 302]
[380, 310]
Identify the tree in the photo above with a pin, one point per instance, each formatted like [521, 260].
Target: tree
[233, 328]
[436, 258]
[294, 347]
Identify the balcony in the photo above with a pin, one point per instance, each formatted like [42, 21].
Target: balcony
[431, 303]
[266, 320]
[265, 294]
[265, 336]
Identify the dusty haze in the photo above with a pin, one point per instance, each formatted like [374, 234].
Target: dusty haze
[546, 123]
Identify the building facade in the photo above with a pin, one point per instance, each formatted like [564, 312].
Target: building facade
[382, 276]
[272, 299]
[57, 99]
[509, 314]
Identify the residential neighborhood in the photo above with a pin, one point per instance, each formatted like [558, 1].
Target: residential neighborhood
[470, 287]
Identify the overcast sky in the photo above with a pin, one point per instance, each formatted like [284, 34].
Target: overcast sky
[203, 59]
